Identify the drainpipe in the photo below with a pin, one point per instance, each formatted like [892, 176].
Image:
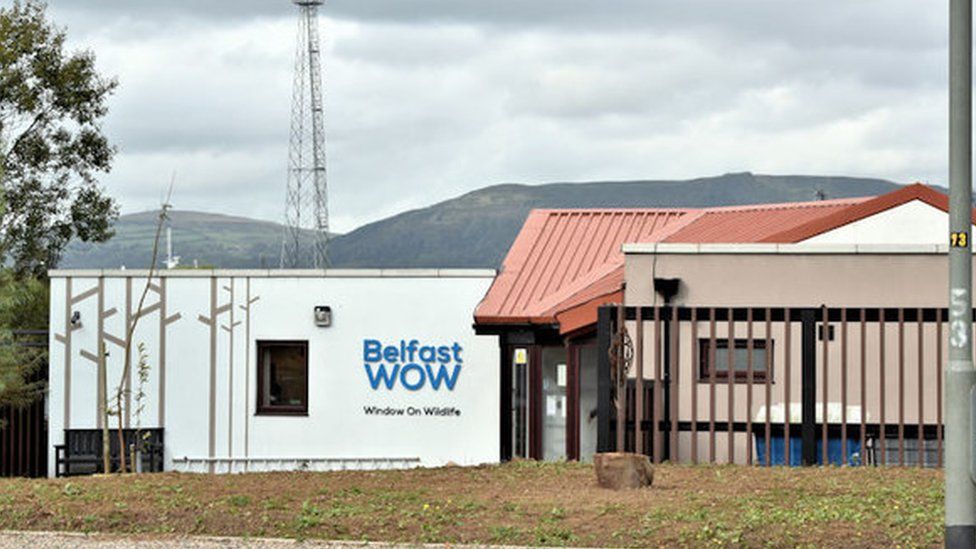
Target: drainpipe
[960, 492]
[668, 288]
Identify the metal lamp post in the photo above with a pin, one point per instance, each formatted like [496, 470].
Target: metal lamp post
[960, 491]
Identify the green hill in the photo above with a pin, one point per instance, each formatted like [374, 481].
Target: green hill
[472, 230]
[208, 238]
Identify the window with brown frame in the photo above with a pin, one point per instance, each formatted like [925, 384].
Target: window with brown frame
[740, 360]
[282, 378]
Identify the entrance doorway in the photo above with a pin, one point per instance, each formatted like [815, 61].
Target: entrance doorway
[554, 403]
[587, 365]
[550, 402]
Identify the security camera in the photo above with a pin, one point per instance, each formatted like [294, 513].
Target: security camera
[76, 318]
[323, 316]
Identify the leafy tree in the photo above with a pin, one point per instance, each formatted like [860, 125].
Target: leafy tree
[24, 304]
[51, 142]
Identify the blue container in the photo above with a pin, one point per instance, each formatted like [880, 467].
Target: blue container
[777, 447]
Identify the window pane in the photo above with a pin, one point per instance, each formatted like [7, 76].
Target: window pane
[587, 401]
[554, 403]
[284, 372]
[740, 359]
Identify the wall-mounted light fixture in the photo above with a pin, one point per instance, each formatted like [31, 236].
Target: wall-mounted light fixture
[323, 316]
[76, 319]
[668, 288]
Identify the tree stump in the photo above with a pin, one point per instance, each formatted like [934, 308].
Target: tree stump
[623, 470]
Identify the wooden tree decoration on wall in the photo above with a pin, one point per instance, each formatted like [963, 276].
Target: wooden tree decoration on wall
[73, 323]
[70, 326]
[212, 322]
[249, 301]
[229, 328]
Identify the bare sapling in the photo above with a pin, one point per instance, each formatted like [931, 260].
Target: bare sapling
[142, 373]
[121, 389]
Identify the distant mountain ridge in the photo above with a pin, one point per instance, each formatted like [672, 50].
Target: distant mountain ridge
[208, 238]
[472, 230]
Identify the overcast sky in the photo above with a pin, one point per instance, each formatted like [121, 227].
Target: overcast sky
[428, 99]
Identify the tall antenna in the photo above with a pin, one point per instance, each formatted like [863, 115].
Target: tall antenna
[306, 238]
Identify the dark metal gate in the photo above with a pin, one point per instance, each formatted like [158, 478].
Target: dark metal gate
[763, 385]
[23, 437]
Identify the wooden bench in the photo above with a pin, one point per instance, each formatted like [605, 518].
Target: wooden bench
[81, 453]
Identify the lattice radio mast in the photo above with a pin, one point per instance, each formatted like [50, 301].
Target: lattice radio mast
[306, 238]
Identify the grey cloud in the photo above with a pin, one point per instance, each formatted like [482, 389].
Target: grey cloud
[908, 23]
[429, 99]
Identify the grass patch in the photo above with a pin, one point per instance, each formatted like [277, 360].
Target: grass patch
[521, 503]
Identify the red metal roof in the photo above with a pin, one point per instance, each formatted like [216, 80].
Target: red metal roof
[565, 263]
[755, 223]
[560, 252]
[867, 208]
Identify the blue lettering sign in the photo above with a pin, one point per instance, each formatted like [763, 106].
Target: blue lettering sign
[371, 350]
[412, 385]
[442, 377]
[381, 376]
[413, 365]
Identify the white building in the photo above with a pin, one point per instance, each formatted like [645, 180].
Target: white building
[259, 370]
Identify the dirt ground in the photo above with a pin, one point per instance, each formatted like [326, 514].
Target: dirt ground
[521, 503]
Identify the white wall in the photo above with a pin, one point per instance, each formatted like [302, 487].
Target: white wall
[914, 222]
[434, 310]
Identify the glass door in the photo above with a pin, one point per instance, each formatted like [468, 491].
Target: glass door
[554, 403]
[520, 403]
[587, 401]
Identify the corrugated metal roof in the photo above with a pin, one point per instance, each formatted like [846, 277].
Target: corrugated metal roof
[559, 252]
[565, 261]
[754, 223]
[862, 210]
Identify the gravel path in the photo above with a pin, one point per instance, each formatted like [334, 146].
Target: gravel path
[46, 540]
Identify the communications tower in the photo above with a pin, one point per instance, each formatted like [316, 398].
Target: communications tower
[306, 234]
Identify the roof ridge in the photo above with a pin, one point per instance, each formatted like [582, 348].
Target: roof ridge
[849, 201]
[612, 209]
[867, 208]
[669, 229]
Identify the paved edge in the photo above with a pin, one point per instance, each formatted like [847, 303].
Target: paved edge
[56, 539]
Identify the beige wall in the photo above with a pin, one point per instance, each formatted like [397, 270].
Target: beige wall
[798, 280]
[775, 280]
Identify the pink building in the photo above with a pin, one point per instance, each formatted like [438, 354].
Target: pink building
[828, 314]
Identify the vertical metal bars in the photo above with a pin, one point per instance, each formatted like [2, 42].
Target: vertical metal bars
[921, 391]
[749, 381]
[711, 385]
[730, 375]
[881, 382]
[864, 385]
[639, 384]
[674, 383]
[843, 387]
[901, 387]
[830, 358]
[658, 388]
[825, 383]
[695, 358]
[621, 389]
[768, 386]
[938, 382]
[787, 386]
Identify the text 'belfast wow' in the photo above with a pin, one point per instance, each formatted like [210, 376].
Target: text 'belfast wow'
[412, 365]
